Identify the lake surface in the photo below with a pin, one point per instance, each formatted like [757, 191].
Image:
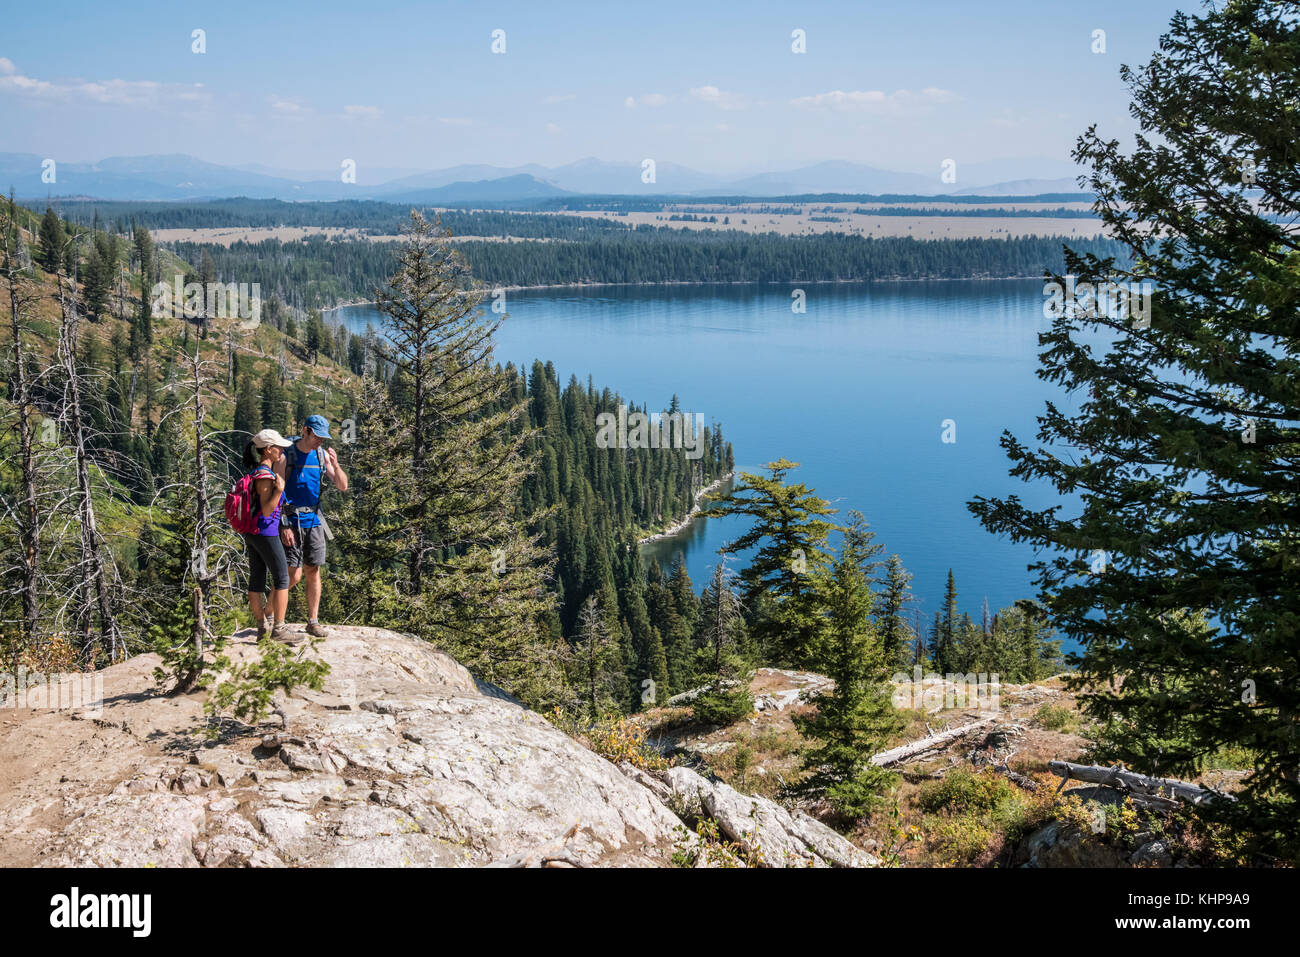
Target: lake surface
[856, 390]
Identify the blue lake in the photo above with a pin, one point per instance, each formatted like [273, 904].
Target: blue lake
[856, 390]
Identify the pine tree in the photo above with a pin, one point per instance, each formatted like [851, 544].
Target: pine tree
[891, 616]
[789, 534]
[721, 666]
[316, 334]
[142, 328]
[856, 718]
[51, 242]
[1183, 457]
[596, 666]
[248, 414]
[370, 525]
[946, 655]
[275, 403]
[475, 572]
[100, 266]
[207, 276]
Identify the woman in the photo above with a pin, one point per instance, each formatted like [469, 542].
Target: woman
[265, 552]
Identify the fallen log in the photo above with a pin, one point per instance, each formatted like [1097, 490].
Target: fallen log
[1139, 784]
[938, 739]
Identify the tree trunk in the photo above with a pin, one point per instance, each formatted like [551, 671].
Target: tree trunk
[94, 585]
[938, 739]
[1118, 777]
[199, 552]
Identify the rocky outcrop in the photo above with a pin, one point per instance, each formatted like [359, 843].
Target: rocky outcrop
[765, 831]
[403, 759]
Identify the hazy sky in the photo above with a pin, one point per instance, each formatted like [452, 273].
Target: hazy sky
[710, 85]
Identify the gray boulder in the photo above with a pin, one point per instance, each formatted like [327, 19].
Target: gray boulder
[772, 835]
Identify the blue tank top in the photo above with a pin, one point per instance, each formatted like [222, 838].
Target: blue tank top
[302, 482]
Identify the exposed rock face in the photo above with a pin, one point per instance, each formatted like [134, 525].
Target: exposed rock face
[764, 829]
[402, 760]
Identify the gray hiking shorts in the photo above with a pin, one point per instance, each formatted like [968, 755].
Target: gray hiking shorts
[308, 547]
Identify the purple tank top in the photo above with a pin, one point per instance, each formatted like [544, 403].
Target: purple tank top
[266, 524]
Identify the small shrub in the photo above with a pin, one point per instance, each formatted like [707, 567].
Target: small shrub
[183, 667]
[959, 839]
[1116, 821]
[711, 850]
[1057, 717]
[251, 687]
[972, 816]
[963, 790]
[58, 652]
[1231, 757]
[614, 737]
[723, 708]
[742, 759]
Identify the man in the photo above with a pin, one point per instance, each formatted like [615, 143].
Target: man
[302, 528]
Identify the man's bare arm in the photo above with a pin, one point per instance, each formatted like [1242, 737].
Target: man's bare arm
[334, 472]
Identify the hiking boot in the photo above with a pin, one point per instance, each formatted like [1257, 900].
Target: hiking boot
[282, 633]
[316, 629]
[264, 627]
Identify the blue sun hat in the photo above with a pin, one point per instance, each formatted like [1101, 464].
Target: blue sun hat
[319, 426]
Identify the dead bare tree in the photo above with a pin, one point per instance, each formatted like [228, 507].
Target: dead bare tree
[94, 584]
[202, 581]
[211, 558]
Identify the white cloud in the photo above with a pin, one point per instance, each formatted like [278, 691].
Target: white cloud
[454, 121]
[285, 106]
[560, 98]
[875, 101]
[114, 92]
[719, 98]
[552, 128]
[351, 111]
[650, 99]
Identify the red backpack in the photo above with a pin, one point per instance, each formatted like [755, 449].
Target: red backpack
[241, 508]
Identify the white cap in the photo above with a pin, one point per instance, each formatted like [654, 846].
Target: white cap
[270, 437]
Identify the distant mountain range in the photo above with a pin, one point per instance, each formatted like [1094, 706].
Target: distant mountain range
[179, 177]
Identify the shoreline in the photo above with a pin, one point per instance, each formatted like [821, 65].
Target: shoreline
[714, 282]
[685, 523]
